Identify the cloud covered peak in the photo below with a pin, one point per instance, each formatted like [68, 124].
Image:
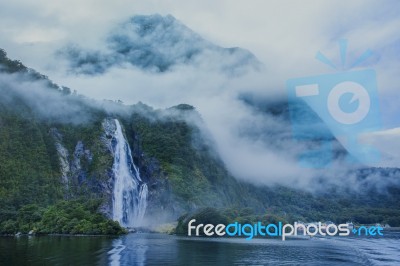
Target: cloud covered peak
[157, 43]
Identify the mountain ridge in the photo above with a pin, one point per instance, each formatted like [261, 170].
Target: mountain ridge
[179, 164]
[157, 44]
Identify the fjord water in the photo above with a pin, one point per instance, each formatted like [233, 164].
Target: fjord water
[130, 192]
[159, 249]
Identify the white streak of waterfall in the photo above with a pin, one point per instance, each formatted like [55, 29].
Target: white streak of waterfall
[130, 192]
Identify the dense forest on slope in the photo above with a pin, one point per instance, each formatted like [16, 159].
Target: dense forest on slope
[171, 148]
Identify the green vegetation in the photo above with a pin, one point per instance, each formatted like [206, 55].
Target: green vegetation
[199, 179]
[29, 165]
[33, 196]
[14, 66]
[31, 190]
[65, 217]
[226, 216]
[196, 175]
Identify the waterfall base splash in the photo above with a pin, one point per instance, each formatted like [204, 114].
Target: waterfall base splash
[130, 192]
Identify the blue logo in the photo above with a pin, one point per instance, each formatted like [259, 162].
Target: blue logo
[368, 231]
[279, 229]
[338, 106]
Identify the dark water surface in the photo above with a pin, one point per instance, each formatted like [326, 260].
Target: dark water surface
[158, 249]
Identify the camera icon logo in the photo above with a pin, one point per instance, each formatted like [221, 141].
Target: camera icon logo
[331, 107]
[359, 94]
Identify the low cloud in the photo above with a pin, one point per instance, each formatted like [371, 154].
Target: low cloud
[254, 145]
[157, 44]
[36, 99]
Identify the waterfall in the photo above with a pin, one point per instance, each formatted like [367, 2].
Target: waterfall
[130, 192]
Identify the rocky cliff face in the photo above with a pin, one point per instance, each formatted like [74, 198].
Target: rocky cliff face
[160, 199]
[47, 155]
[77, 177]
[75, 168]
[63, 157]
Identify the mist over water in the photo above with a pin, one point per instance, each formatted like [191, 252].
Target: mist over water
[103, 52]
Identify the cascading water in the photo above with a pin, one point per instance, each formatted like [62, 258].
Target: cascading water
[130, 192]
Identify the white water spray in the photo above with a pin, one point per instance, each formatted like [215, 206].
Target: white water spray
[130, 192]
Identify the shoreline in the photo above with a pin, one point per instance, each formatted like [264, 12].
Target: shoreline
[150, 231]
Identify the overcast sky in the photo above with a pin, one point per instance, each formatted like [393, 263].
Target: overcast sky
[283, 34]
[285, 29]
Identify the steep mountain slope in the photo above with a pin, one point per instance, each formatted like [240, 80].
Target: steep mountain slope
[57, 146]
[73, 149]
[278, 108]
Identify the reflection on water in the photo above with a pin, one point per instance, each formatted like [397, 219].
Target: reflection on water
[134, 251]
[157, 249]
[54, 250]
[115, 253]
